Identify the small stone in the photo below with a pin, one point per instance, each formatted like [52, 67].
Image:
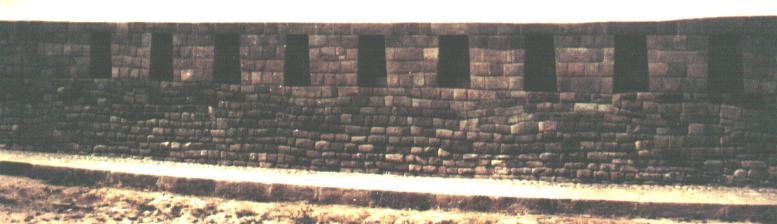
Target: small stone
[398, 158]
[740, 173]
[443, 153]
[585, 107]
[713, 163]
[100, 148]
[601, 174]
[753, 164]
[548, 126]
[444, 133]
[322, 145]
[548, 156]
[470, 156]
[528, 127]
[366, 148]
[696, 129]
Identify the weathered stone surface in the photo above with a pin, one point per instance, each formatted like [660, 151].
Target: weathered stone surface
[675, 131]
[524, 128]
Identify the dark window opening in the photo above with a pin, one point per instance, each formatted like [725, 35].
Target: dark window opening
[372, 61]
[540, 64]
[100, 55]
[453, 64]
[296, 70]
[161, 56]
[725, 64]
[226, 68]
[631, 68]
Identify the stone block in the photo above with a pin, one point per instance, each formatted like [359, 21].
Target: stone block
[754, 164]
[444, 133]
[527, 127]
[696, 129]
[547, 156]
[548, 126]
[322, 145]
[442, 153]
[396, 158]
[713, 163]
[605, 156]
[585, 107]
[366, 148]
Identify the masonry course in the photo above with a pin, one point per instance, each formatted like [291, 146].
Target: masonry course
[676, 131]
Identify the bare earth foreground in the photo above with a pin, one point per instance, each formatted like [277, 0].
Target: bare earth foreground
[24, 200]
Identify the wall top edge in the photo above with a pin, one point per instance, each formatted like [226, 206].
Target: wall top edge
[716, 25]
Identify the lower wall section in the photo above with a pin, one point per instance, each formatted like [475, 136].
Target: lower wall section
[630, 137]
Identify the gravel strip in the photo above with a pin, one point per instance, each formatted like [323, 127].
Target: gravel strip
[24, 200]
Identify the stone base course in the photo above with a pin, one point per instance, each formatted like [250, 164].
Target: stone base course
[726, 208]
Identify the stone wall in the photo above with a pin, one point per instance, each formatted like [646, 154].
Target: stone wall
[677, 132]
[262, 59]
[496, 62]
[585, 63]
[333, 60]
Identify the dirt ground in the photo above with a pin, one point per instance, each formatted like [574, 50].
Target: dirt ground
[24, 200]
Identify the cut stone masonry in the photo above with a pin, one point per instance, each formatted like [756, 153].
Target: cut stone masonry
[676, 130]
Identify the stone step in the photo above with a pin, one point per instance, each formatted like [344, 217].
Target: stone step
[490, 195]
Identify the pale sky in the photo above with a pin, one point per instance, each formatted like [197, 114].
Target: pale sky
[538, 11]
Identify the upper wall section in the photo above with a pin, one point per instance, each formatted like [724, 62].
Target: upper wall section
[580, 57]
[397, 11]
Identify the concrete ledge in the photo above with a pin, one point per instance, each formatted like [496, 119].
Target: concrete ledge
[733, 204]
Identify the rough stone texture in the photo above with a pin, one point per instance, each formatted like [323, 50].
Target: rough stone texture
[675, 133]
[333, 60]
[131, 55]
[584, 63]
[677, 63]
[411, 60]
[496, 62]
[193, 56]
[760, 67]
[19, 50]
[261, 58]
[62, 53]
